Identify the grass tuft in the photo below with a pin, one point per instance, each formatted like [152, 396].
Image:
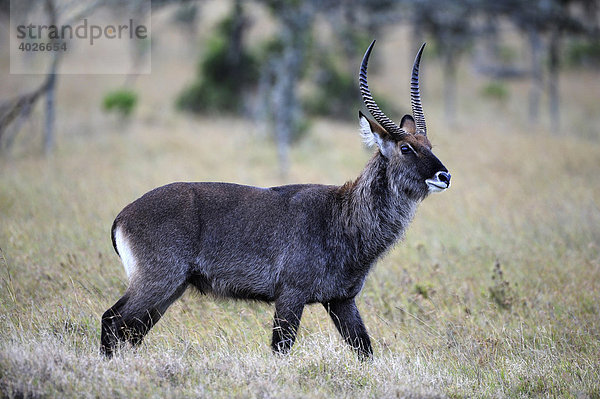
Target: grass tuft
[501, 292]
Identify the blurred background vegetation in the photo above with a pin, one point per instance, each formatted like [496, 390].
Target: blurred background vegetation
[283, 63]
[493, 293]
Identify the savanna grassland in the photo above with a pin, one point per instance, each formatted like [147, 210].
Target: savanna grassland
[493, 293]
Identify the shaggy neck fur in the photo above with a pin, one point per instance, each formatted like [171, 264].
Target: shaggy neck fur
[374, 211]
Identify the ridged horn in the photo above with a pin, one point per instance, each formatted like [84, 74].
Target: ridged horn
[370, 103]
[415, 95]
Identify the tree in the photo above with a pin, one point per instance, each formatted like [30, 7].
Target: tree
[226, 71]
[285, 66]
[282, 72]
[545, 23]
[19, 108]
[14, 111]
[450, 24]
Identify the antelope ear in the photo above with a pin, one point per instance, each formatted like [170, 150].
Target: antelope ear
[408, 124]
[372, 134]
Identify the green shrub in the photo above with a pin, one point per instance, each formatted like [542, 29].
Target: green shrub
[336, 93]
[495, 91]
[224, 72]
[122, 101]
[584, 53]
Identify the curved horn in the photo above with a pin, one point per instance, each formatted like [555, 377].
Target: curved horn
[370, 103]
[415, 95]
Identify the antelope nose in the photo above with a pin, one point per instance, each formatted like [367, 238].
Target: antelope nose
[444, 177]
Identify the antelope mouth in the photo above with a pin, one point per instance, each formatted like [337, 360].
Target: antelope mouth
[439, 183]
[436, 186]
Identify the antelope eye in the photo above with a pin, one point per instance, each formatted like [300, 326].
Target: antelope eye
[405, 149]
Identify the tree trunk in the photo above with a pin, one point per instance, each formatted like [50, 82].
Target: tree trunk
[491, 39]
[537, 84]
[51, 86]
[50, 108]
[553, 73]
[295, 21]
[450, 87]
[235, 40]
[285, 98]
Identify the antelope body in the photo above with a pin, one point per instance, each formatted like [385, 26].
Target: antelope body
[292, 245]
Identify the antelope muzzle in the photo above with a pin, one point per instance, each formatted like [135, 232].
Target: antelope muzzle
[439, 182]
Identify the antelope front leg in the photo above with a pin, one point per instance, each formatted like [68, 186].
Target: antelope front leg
[348, 322]
[288, 311]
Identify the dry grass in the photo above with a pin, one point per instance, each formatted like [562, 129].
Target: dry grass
[444, 321]
[494, 292]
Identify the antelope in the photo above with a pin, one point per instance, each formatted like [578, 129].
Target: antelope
[293, 245]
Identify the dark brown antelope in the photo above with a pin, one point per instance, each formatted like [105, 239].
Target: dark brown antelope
[292, 245]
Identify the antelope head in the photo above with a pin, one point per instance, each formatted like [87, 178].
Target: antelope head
[405, 147]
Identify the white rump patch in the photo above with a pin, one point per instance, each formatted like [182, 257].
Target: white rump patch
[126, 254]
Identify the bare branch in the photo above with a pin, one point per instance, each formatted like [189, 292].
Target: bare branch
[19, 107]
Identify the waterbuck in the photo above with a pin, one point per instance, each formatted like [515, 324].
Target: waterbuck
[292, 245]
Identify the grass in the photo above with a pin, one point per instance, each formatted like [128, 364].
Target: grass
[493, 293]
